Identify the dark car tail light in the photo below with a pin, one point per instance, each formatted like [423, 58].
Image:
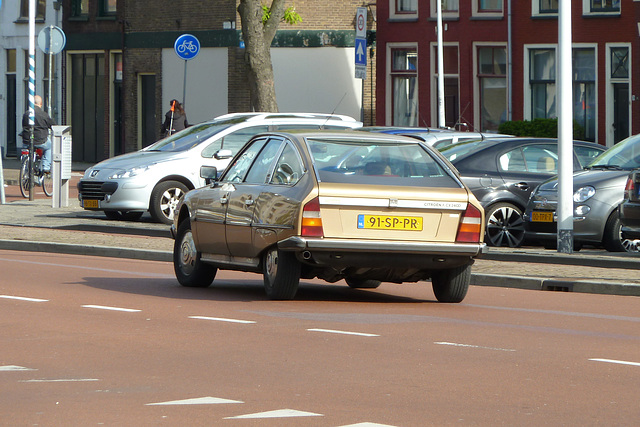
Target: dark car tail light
[470, 225]
[311, 220]
[629, 188]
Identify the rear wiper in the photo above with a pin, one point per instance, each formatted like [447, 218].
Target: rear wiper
[605, 167]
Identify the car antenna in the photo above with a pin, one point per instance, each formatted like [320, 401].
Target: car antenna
[334, 110]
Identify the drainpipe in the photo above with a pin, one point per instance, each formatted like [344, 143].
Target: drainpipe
[509, 65]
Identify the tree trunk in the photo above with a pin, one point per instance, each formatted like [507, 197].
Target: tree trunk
[257, 40]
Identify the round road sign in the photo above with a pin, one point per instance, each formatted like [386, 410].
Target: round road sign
[187, 46]
[51, 40]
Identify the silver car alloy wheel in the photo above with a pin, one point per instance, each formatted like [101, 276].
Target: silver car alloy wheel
[505, 226]
[271, 267]
[169, 201]
[188, 254]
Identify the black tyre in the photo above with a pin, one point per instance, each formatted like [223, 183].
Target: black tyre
[281, 274]
[164, 200]
[47, 184]
[505, 226]
[362, 284]
[612, 239]
[190, 270]
[123, 215]
[451, 285]
[24, 178]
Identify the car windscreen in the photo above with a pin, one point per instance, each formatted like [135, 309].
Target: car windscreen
[623, 155]
[456, 151]
[188, 138]
[378, 163]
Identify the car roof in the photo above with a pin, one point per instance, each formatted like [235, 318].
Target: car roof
[343, 135]
[282, 116]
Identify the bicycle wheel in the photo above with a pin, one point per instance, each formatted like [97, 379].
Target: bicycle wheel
[24, 177]
[47, 183]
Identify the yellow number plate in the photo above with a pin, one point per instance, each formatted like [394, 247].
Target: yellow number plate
[384, 222]
[90, 204]
[541, 216]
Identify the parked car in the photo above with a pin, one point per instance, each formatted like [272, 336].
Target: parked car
[598, 191]
[630, 213]
[502, 173]
[358, 206]
[154, 178]
[437, 137]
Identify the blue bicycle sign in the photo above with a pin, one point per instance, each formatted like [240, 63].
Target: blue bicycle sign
[187, 46]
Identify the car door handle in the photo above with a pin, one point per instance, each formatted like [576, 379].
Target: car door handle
[224, 200]
[522, 186]
[248, 202]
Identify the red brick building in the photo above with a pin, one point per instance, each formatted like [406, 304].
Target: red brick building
[500, 64]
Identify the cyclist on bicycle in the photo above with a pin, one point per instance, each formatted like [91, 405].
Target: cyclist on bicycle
[41, 134]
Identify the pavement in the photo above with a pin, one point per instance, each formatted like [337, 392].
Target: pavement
[37, 226]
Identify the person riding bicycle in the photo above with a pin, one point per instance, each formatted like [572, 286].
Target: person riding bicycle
[41, 134]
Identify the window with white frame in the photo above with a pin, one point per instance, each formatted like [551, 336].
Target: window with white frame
[40, 9]
[449, 8]
[542, 81]
[601, 7]
[404, 9]
[404, 86]
[487, 8]
[492, 82]
[544, 7]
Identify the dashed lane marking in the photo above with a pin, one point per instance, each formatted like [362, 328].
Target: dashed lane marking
[61, 380]
[279, 413]
[367, 425]
[104, 307]
[23, 298]
[332, 331]
[197, 401]
[472, 346]
[7, 368]
[221, 319]
[619, 362]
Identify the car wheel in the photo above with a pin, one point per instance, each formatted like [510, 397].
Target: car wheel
[190, 270]
[164, 200]
[123, 215]
[362, 284]
[505, 226]
[612, 239]
[451, 285]
[281, 274]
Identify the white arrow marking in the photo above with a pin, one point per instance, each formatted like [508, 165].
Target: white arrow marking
[15, 368]
[331, 331]
[221, 319]
[280, 413]
[197, 401]
[103, 307]
[619, 362]
[359, 52]
[472, 346]
[23, 298]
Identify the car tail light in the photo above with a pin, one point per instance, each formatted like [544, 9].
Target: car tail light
[629, 188]
[470, 225]
[311, 221]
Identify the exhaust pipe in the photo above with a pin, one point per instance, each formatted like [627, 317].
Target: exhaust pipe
[306, 255]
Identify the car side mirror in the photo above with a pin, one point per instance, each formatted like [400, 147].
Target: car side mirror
[223, 154]
[209, 173]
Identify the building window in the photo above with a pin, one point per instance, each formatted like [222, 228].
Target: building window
[604, 6]
[584, 90]
[449, 8]
[404, 86]
[79, 7]
[619, 63]
[451, 94]
[490, 5]
[544, 7]
[40, 9]
[107, 7]
[487, 8]
[404, 9]
[11, 61]
[542, 79]
[492, 77]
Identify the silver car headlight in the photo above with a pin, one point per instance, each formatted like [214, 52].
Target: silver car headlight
[130, 172]
[583, 194]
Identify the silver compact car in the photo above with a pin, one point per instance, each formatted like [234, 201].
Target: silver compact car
[598, 191]
[156, 177]
[359, 206]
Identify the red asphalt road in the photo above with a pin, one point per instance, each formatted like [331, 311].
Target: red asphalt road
[391, 356]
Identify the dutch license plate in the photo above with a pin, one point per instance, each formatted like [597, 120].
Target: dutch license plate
[384, 222]
[90, 204]
[541, 216]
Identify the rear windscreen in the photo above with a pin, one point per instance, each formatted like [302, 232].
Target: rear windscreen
[378, 163]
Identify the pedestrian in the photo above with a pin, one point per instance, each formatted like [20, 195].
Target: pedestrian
[41, 132]
[175, 120]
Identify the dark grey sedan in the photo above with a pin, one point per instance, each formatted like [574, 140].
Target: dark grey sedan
[502, 173]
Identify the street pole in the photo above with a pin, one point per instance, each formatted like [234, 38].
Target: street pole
[565, 130]
[441, 117]
[32, 87]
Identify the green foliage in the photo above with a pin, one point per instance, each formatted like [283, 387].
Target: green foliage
[542, 128]
[290, 16]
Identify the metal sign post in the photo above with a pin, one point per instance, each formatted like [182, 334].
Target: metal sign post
[187, 47]
[51, 40]
[361, 51]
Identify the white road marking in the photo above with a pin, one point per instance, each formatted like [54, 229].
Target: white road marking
[23, 298]
[61, 380]
[472, 346]
[82, 267]
[197, 401]
[619, 362]
[280, 413]
[7, 368]
[367, 425]
[104, 307]
[331, 331]
[221, 319]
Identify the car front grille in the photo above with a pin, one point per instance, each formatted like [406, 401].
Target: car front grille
[96, 190]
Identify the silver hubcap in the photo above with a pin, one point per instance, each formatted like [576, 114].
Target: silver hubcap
[188, 254]
[169, 201]
[272, 264]
[505, 227]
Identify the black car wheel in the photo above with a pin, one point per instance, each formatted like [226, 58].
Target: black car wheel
[362, 284]
[190, 270]
[281, 274]
[505, 226]
[451, 285]
[612, 239]
[164, 200]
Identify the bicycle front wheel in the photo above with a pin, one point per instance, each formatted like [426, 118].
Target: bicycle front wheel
[47, 184]
[24, 177]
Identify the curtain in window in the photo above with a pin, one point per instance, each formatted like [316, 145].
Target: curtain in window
[405, 101]
[490, 5]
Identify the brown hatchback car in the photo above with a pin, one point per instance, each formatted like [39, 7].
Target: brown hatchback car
[335, 205]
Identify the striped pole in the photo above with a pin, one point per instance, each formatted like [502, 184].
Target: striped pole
[32, 87]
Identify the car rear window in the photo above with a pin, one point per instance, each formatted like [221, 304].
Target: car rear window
[378, 163]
